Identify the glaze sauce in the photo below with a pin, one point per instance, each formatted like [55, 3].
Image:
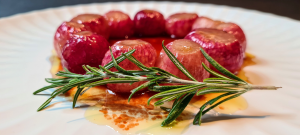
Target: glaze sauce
[136, 117]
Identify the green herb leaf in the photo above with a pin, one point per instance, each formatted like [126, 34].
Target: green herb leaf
[167, 87]
[120, 69]
[214, 73]
[70, 75]
[229, 98]
[165, 99]
[75, 83]
[163, 72]
[76, 95]
[198, 116]
[95, 70]
[177, 63]
[219, 67]
[165, 109]
[181, 90]
[136, 62]
[119, 59]
[48, 87]
[178, 108]
[111, 80]
[217, 90]
[58, 80]
[146, 84]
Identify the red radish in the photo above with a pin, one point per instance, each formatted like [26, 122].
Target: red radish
[145, 53]
[204, 22]
[84, 48]
[180, 24]
[221, 46]
[231, 28]
[149, 23]
[235, 30]
[189, 54]
[121, 26]
[63, 33]
[95, 23]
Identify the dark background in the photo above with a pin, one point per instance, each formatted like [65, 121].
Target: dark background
[288, 8]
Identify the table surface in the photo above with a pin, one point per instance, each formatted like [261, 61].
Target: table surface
[288, 8]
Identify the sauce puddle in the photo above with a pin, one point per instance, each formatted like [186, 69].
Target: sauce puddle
[136, 117]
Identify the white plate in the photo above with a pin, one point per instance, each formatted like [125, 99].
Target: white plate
[26, 44]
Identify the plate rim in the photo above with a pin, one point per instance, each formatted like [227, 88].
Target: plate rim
[144, 2]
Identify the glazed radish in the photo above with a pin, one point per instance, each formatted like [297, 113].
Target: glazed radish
[180, 24]
[189, 54]
[145, 53]
[204, 22]
[221, 46]
[235, 30]
[121, 26]
[149, 23]
[95, 23]
[84, 48]
[231, 28]
[63, 33]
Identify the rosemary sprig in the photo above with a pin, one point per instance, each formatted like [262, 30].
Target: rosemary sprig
[228, 83]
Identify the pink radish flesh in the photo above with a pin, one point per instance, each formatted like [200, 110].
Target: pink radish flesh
[204, 22]
[221, 46]
[180, 24]
[189, 54]
[145, 53]
[231, 28]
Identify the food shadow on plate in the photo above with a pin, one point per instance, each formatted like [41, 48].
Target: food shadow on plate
[212, 117]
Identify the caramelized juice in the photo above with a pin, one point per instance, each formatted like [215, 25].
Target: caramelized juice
[137, 117]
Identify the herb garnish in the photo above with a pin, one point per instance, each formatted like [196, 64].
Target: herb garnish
[231, 85]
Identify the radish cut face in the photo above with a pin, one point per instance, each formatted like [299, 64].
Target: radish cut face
[231, 28]
[95, 23]
[180, 24]
[190, 56]
[144, 52]
[84, 48]
[221, 46]
[121, 26]
[204, 22]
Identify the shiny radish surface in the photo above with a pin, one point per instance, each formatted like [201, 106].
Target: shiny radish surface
[149, 23]
[84, 48]
[145, 53]
[180, 24]
[121, 26]
[96, 23]
[63, 33]
[190, 56]
[231, 28]
[221, 46]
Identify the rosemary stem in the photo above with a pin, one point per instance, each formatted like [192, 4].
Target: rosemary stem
[257, 87]
[176, 80]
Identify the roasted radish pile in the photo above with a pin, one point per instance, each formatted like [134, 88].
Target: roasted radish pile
[84, 41]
